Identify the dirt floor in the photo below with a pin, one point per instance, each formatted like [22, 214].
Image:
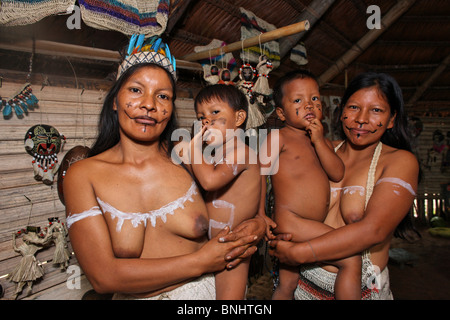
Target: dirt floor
[418, 270]
[428, 276]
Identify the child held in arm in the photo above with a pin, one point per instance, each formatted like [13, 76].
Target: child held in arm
[230, 177]
[300, 171]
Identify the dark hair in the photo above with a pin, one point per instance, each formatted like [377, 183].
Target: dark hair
[399, 136]
[108, 127]
[288, 77]
[226, 93]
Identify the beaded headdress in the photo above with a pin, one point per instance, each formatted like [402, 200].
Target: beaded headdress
[152, 50]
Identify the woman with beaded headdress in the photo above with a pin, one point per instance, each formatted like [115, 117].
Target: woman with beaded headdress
[137, 222]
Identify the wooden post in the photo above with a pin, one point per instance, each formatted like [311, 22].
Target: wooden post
[264, 37]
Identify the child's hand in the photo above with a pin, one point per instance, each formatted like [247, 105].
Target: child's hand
[270, 226]
[315, 131]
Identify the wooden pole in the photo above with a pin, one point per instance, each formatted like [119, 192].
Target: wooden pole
[394, 13]
[75, 51]
[250, 42]
[436, 73]
[312, 13]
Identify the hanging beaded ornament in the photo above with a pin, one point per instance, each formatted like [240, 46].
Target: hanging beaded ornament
[20, 103]
[23, 100]
[246, 74]
[255, 117]
[43, 142]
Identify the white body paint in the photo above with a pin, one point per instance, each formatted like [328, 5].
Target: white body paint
[220, 204]
[361, 190]
[398, 182]
[349, 190]
[138, 217]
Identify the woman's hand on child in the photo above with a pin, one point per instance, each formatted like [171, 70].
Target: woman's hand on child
[281, 249]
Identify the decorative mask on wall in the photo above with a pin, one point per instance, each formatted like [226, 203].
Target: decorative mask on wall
[43, 142]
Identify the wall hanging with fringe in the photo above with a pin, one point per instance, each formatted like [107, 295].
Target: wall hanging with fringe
[23, 12]
[253, 26]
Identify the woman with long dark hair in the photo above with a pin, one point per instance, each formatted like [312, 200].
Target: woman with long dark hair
[373, 198]
[137, 222]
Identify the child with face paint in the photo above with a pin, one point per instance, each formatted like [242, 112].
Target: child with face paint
[230, 177]
[371, 203]
[306, 162]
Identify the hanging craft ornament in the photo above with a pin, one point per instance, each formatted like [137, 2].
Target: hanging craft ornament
[152, 50]
[262, 83]
[29, 269]
[254, 116]
[23, 100]
[20, 103]
[58, 232]
[211, 73]
[44, 142]
[225, 77]
[246, 74]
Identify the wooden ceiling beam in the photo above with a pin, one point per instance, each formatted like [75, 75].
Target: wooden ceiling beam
[421, 43]
[178, 10]
[69, 50]
[390, 17]
[436, 73]
[313, 12]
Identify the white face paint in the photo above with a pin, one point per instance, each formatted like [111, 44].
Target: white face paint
[221, 204]
[397, 184]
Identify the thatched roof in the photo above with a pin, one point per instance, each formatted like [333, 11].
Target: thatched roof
[413, 44]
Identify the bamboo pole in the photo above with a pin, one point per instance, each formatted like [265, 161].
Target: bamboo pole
[75, 51]
[250, 42]
[394, 13]
[313, 12]
[61, 49]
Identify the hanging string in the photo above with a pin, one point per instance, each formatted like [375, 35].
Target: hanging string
[260, 46]
[80, 102]
[30, 70]
[31, 60]
[31, 208]
[243, 54]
